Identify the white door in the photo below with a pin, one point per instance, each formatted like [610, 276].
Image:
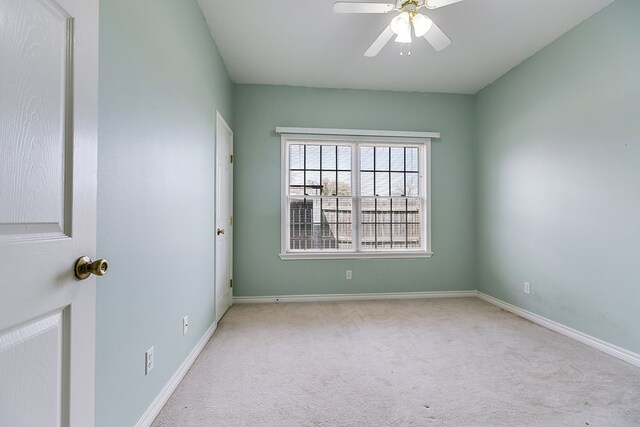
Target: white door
[224, 216]
[48, 106]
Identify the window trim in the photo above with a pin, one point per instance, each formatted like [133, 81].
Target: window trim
[421, 139]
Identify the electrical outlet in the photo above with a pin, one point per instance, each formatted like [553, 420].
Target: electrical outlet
[348, 275]
[148, 361]
[526, 288]
[185, 325]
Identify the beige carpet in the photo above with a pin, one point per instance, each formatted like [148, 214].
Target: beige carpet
[453, 362]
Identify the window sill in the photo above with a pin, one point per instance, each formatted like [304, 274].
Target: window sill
[354, 255]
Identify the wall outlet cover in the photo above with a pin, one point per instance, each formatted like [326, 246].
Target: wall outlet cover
[185, 325]
[348, 275]
[527, 288]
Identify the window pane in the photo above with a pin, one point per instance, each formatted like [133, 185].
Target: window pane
[344, 183]
[383, 236]
[344, 211]
[382, 158]
[313, 157]
[397, 159]
[414, 236]
[366, 184]
[368, 223]
[328, 231]
[412, 159]
[296, 178]
[368, 210]
[313, 183]
[382, 184]
[383, 211]
[399, 211]
[368, 236]
[345, 240]
[366, 158]
[412, 184]
[399, 232]
[399, 223]
[296, 156]
[328, 183]
[413, 211]
[296, 183]
[397, 184]
[344, 229]
[344, 157]
[329, 210]
[328, 157]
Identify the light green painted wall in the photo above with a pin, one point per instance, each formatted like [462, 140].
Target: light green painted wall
[559, 179]
[259, 109]
[541, 168]
[161, 81]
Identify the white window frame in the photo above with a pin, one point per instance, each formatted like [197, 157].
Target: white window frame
[356, 138]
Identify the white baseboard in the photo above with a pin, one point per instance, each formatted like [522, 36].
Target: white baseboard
[353, 297]
[605, 347]
[154, 409]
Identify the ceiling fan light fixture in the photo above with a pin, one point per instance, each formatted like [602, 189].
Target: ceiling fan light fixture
[404, 37]
[401, 23]
[407, 19]
[421, 24]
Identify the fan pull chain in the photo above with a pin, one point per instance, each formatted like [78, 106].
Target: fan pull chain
[402, 49]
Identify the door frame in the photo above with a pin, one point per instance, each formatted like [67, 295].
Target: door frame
[222, 124]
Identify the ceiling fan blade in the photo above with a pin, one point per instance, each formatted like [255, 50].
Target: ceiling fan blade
[437, 38]
[350, 7]
[380, 42]
[434, 4]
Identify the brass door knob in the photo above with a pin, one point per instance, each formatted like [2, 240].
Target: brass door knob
[220, 231]
[84, 267]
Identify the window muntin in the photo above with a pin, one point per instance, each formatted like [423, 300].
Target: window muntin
[329, 209]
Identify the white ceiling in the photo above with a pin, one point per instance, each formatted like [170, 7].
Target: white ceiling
[303, 43]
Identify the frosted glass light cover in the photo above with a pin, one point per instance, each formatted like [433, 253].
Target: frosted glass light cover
[421, 24]
[404, 37]
[400, 23]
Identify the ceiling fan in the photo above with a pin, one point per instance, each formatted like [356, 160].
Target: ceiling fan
[400, 26]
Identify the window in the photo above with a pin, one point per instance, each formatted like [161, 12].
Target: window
[355, 196]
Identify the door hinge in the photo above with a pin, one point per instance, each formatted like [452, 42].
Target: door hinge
[231, 158]
[231, 283]
[231, 220]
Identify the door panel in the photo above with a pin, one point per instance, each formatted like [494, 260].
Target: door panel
[33, 350]
[48, 107]
[224, 215]
[35, 84]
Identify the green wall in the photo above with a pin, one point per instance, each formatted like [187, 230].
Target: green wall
[558, 179]
[534, 179]
[259, 109]
[161, 81]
